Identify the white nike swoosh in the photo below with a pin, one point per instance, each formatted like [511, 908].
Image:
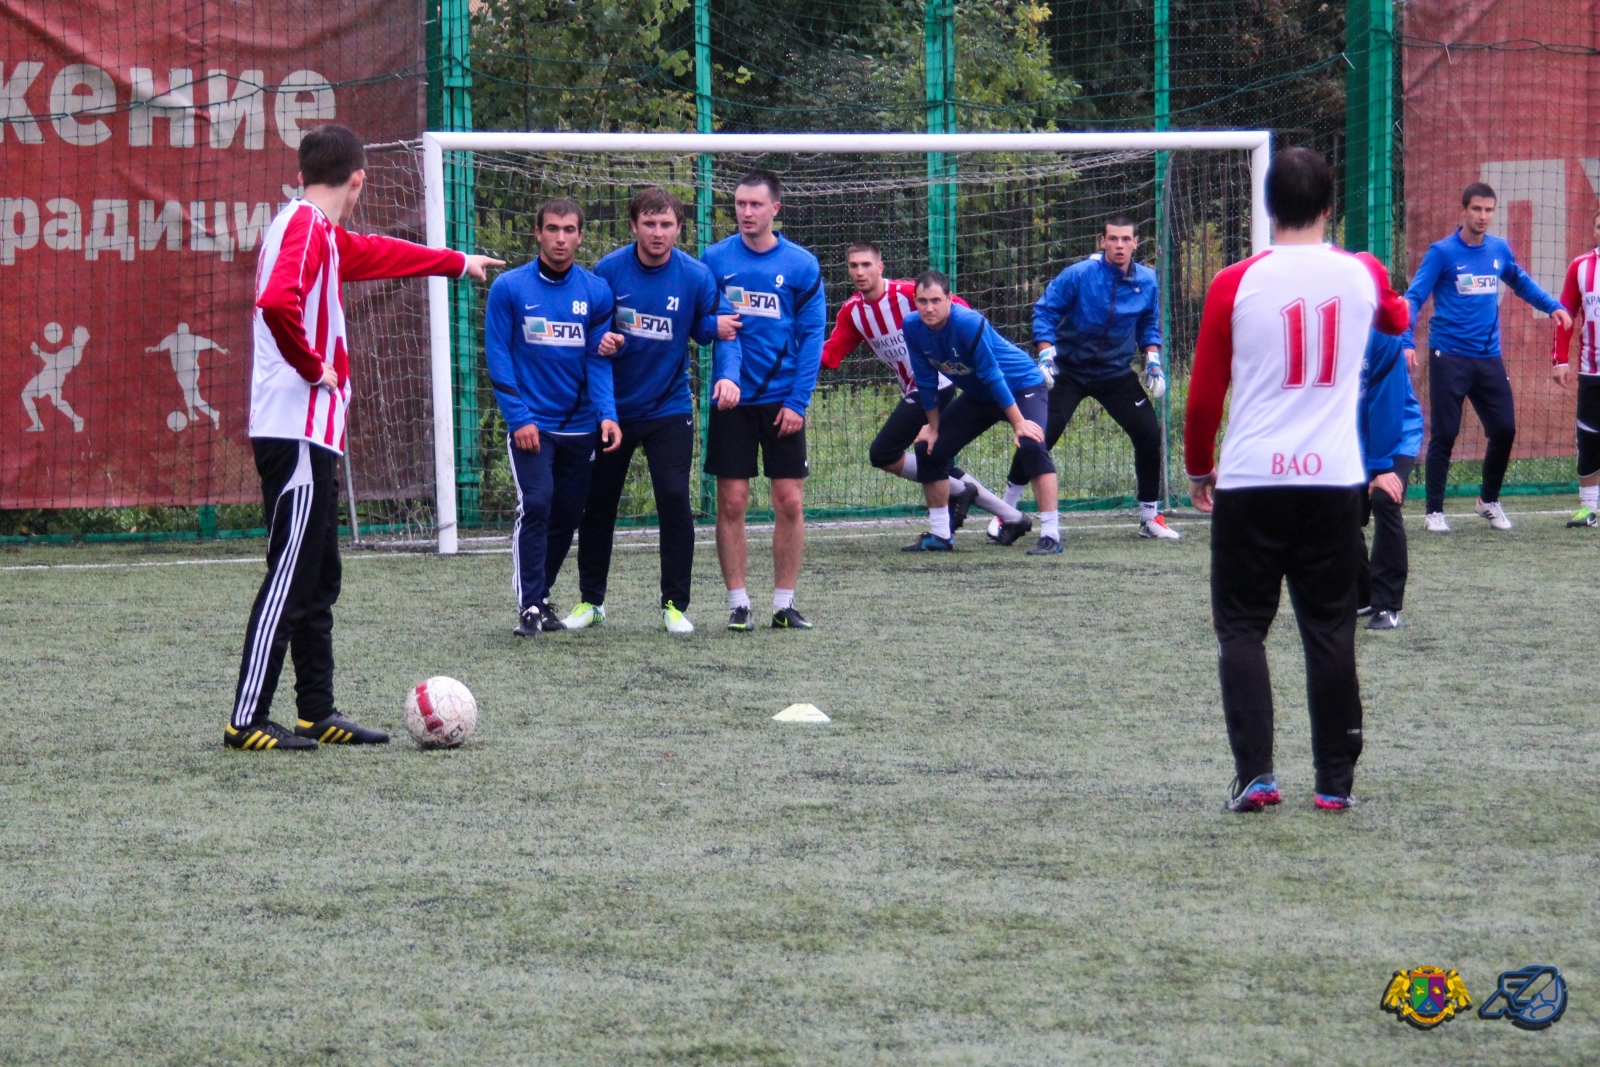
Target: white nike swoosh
[1140, 402]
[623, 296]
[529, 307]
[735, 274]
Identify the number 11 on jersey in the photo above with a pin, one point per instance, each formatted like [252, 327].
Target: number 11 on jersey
[1295, 343]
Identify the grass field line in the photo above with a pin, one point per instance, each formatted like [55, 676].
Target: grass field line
[883, 527]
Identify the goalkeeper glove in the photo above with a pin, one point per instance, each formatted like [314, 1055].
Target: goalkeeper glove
[1047, 366]
[1155, 380]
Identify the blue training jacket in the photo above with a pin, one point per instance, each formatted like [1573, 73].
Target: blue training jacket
[659, 309]
[972, 354]
[542, 341]
[1390, 416]
[1099, 317]
[1464, 282]
[779, 299]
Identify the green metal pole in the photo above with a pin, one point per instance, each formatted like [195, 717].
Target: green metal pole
[1163, 234]
[939, 43]
[703, 207]
[1369, 126]
[450, 108]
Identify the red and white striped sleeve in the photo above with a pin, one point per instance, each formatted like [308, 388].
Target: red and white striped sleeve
[1212, 372]
[1572, 300]
[845, 337]
[366, 257]
[1394, 314]
[302, 254]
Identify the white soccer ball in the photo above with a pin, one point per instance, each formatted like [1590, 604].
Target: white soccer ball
[441, 713]
[177, 421]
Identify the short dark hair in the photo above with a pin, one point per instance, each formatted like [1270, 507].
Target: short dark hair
[654, 200]
[1119, 219]
[863, 246]
[930, 278]
[762, 176]
[1299, 187]
[1483, 189]
[560, 206]
[329, 155]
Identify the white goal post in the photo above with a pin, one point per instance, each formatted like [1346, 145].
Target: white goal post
[435, 145]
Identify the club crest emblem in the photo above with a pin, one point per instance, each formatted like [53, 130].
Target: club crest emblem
[1524, 997]
[1426, 996]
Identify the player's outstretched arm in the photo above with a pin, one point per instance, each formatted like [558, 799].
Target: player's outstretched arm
[842, 341]
[1532, 292]
[365, 257]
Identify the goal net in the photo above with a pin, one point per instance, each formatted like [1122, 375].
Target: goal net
[428, 445]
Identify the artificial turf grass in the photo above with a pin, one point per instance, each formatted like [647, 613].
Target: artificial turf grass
[1007, 847]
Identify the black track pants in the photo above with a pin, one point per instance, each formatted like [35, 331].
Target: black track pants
[294, 609]
[669, 450]
[1259, 537]
[1382, 581]
[1451, 381]
[1125, 401]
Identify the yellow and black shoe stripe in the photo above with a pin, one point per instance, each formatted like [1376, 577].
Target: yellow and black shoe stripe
[251, 739]
[333, 735]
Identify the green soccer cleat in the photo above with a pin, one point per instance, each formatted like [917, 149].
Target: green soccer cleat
[338, 730]
[675, 621]
[1584, 516]
[584, 616]
[264, 735]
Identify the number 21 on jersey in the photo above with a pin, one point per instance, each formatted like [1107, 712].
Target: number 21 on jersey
[1297, 348]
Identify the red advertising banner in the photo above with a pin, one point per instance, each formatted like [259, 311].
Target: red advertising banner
[144, 148]
[1501, 91]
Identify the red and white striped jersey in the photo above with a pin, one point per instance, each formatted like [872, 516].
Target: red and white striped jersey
[878, 323]
[1289, 329]
[299, 318]
[1582, 302]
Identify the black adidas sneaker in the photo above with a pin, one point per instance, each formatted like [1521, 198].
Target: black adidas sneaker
[338, 730]
[262, 736]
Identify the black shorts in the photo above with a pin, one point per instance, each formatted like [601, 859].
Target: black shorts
[1588, 424]
[900, 429]
[734, 437]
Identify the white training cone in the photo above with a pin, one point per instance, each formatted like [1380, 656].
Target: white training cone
[801, 713]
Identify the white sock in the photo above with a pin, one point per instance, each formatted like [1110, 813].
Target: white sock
[1050, 524]
[1014, 494]
[782, 598]
[909, 470]
[939, 522]
[1589, 496]
[738, 598]
[1148, 512]
[993, 504]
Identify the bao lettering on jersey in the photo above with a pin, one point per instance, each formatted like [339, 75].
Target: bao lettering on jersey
[1478, 284]
[638, 324]
[1308, 464]
[542, 331]
[749, 302]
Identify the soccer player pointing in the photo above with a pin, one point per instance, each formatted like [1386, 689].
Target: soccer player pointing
[299, 397]
[776, 287]
[664, 298]
[1288, 328]
[998, 381]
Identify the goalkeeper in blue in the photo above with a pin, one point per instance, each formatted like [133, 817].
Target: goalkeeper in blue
[1094, 319]
[998, 382]
[542, 335]
[664, 298]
